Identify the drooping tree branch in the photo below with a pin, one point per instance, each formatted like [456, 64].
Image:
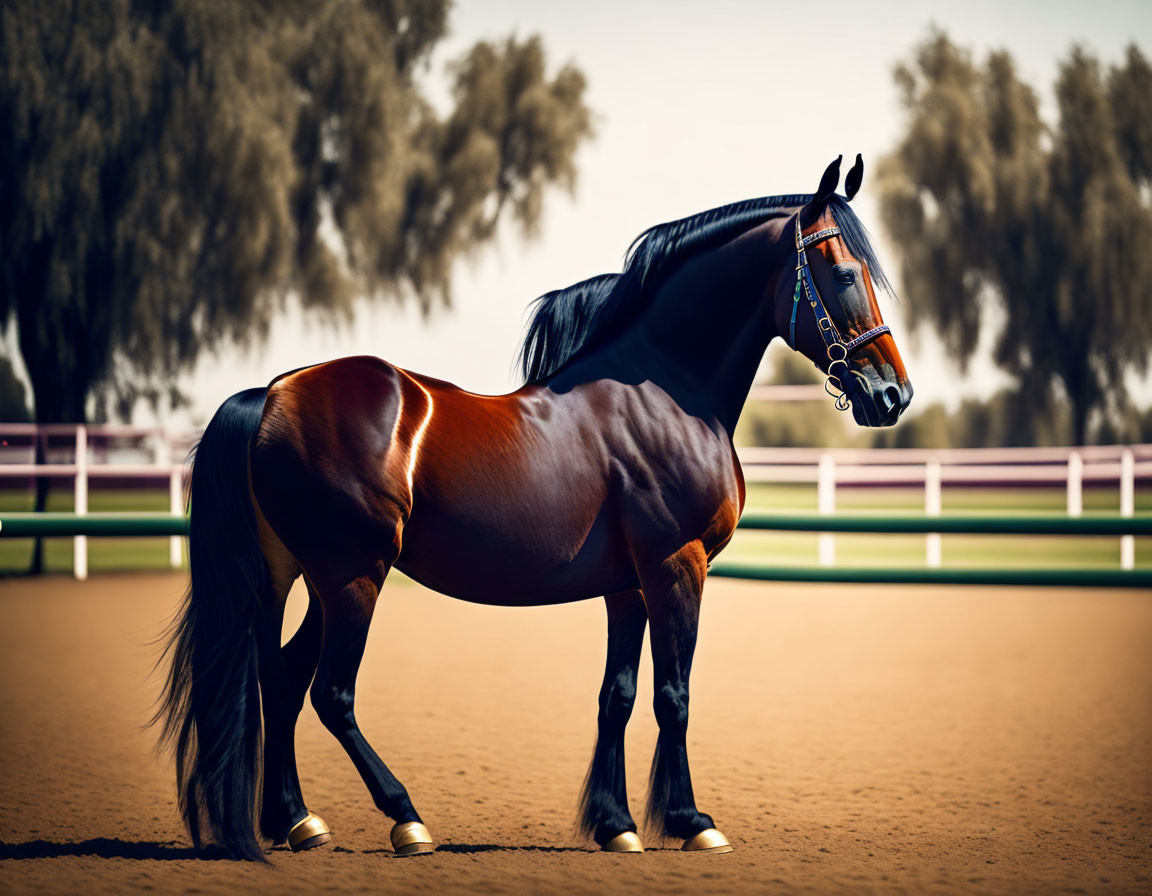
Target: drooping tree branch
[171, 173]
[993, 208]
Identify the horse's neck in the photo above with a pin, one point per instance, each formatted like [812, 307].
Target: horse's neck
[711, 322]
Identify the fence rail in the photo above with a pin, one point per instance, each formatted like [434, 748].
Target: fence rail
[56, 525]
[1072, 578]
[1098, 465]
[44, 525]
[933, 470]
[951, 524]
[71, 525]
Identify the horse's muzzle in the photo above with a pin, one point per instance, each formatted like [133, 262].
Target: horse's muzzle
[877, 398]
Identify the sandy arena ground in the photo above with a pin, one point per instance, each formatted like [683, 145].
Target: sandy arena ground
[863, 739]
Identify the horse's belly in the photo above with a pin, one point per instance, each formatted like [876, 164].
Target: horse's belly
[524, 559]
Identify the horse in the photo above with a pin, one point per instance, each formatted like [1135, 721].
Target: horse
[610, 473]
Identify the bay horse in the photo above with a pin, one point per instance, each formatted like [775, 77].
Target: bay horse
[611, 473]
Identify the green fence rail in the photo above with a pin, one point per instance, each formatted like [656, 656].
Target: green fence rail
[34, 525]
[51, 525]
[951, 524]
[1071, 578]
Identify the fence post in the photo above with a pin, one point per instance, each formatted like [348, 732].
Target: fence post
[176, 505]
[826, 505]
[1075, 484]
[80, 542]
[163, 451]
[933, 549]
[1127, 506]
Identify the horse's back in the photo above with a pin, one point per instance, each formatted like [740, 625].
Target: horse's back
[512, 499]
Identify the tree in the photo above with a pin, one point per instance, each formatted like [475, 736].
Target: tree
[13, 395]
[1000, 217]
[1001, 420]
[805, 424]
[171, 172]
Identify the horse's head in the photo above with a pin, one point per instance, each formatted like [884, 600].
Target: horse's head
[827, 308]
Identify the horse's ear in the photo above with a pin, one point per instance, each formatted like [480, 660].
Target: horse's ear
[852, 181]
[828, 184]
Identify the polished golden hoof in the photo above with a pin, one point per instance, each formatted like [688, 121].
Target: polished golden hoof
[710, 840]
[411, 838]
[625, 842]
[312, 831]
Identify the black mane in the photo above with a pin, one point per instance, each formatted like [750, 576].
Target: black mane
[561, 325]
[566, 321]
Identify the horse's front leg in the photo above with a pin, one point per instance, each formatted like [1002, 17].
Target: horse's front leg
[672, 590]
[604, 801]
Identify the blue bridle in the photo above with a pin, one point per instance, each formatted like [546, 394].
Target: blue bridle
[838, 349]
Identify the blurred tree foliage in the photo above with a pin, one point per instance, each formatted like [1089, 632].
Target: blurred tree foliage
[13, 395]
[786, 424]
[1044, 230]
[1002, 420]
[170, 172]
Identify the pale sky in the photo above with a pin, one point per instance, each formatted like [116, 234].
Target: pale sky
[697, 104]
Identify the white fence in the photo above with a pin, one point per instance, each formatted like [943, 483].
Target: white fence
[111, 451]
[933, 469]
[17, 462]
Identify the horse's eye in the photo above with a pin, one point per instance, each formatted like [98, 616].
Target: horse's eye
[845, 277]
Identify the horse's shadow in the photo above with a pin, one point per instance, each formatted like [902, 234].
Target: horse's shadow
[471, 848]
[108, 848]
[173, 850]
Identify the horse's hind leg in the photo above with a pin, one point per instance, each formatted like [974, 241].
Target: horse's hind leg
[285, 673]
[604, 801]
[285, 676]
[347, 615]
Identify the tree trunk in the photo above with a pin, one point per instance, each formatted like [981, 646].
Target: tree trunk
[52, 404]
[43, 486]
[1080, 411]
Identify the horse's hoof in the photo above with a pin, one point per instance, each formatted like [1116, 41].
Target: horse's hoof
[710, 840]
[312, 831]
[411, 838]
[625, 842]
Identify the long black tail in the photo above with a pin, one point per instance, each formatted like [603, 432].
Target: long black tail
[210, 709]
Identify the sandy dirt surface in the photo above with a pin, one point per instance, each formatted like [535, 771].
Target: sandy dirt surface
[862, 739]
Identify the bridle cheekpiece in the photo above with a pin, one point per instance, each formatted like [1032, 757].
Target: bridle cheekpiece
[838, 349]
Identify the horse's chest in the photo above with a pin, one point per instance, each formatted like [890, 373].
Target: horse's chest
[683, 487]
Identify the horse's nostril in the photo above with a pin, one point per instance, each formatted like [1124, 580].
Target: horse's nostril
[888, 405]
